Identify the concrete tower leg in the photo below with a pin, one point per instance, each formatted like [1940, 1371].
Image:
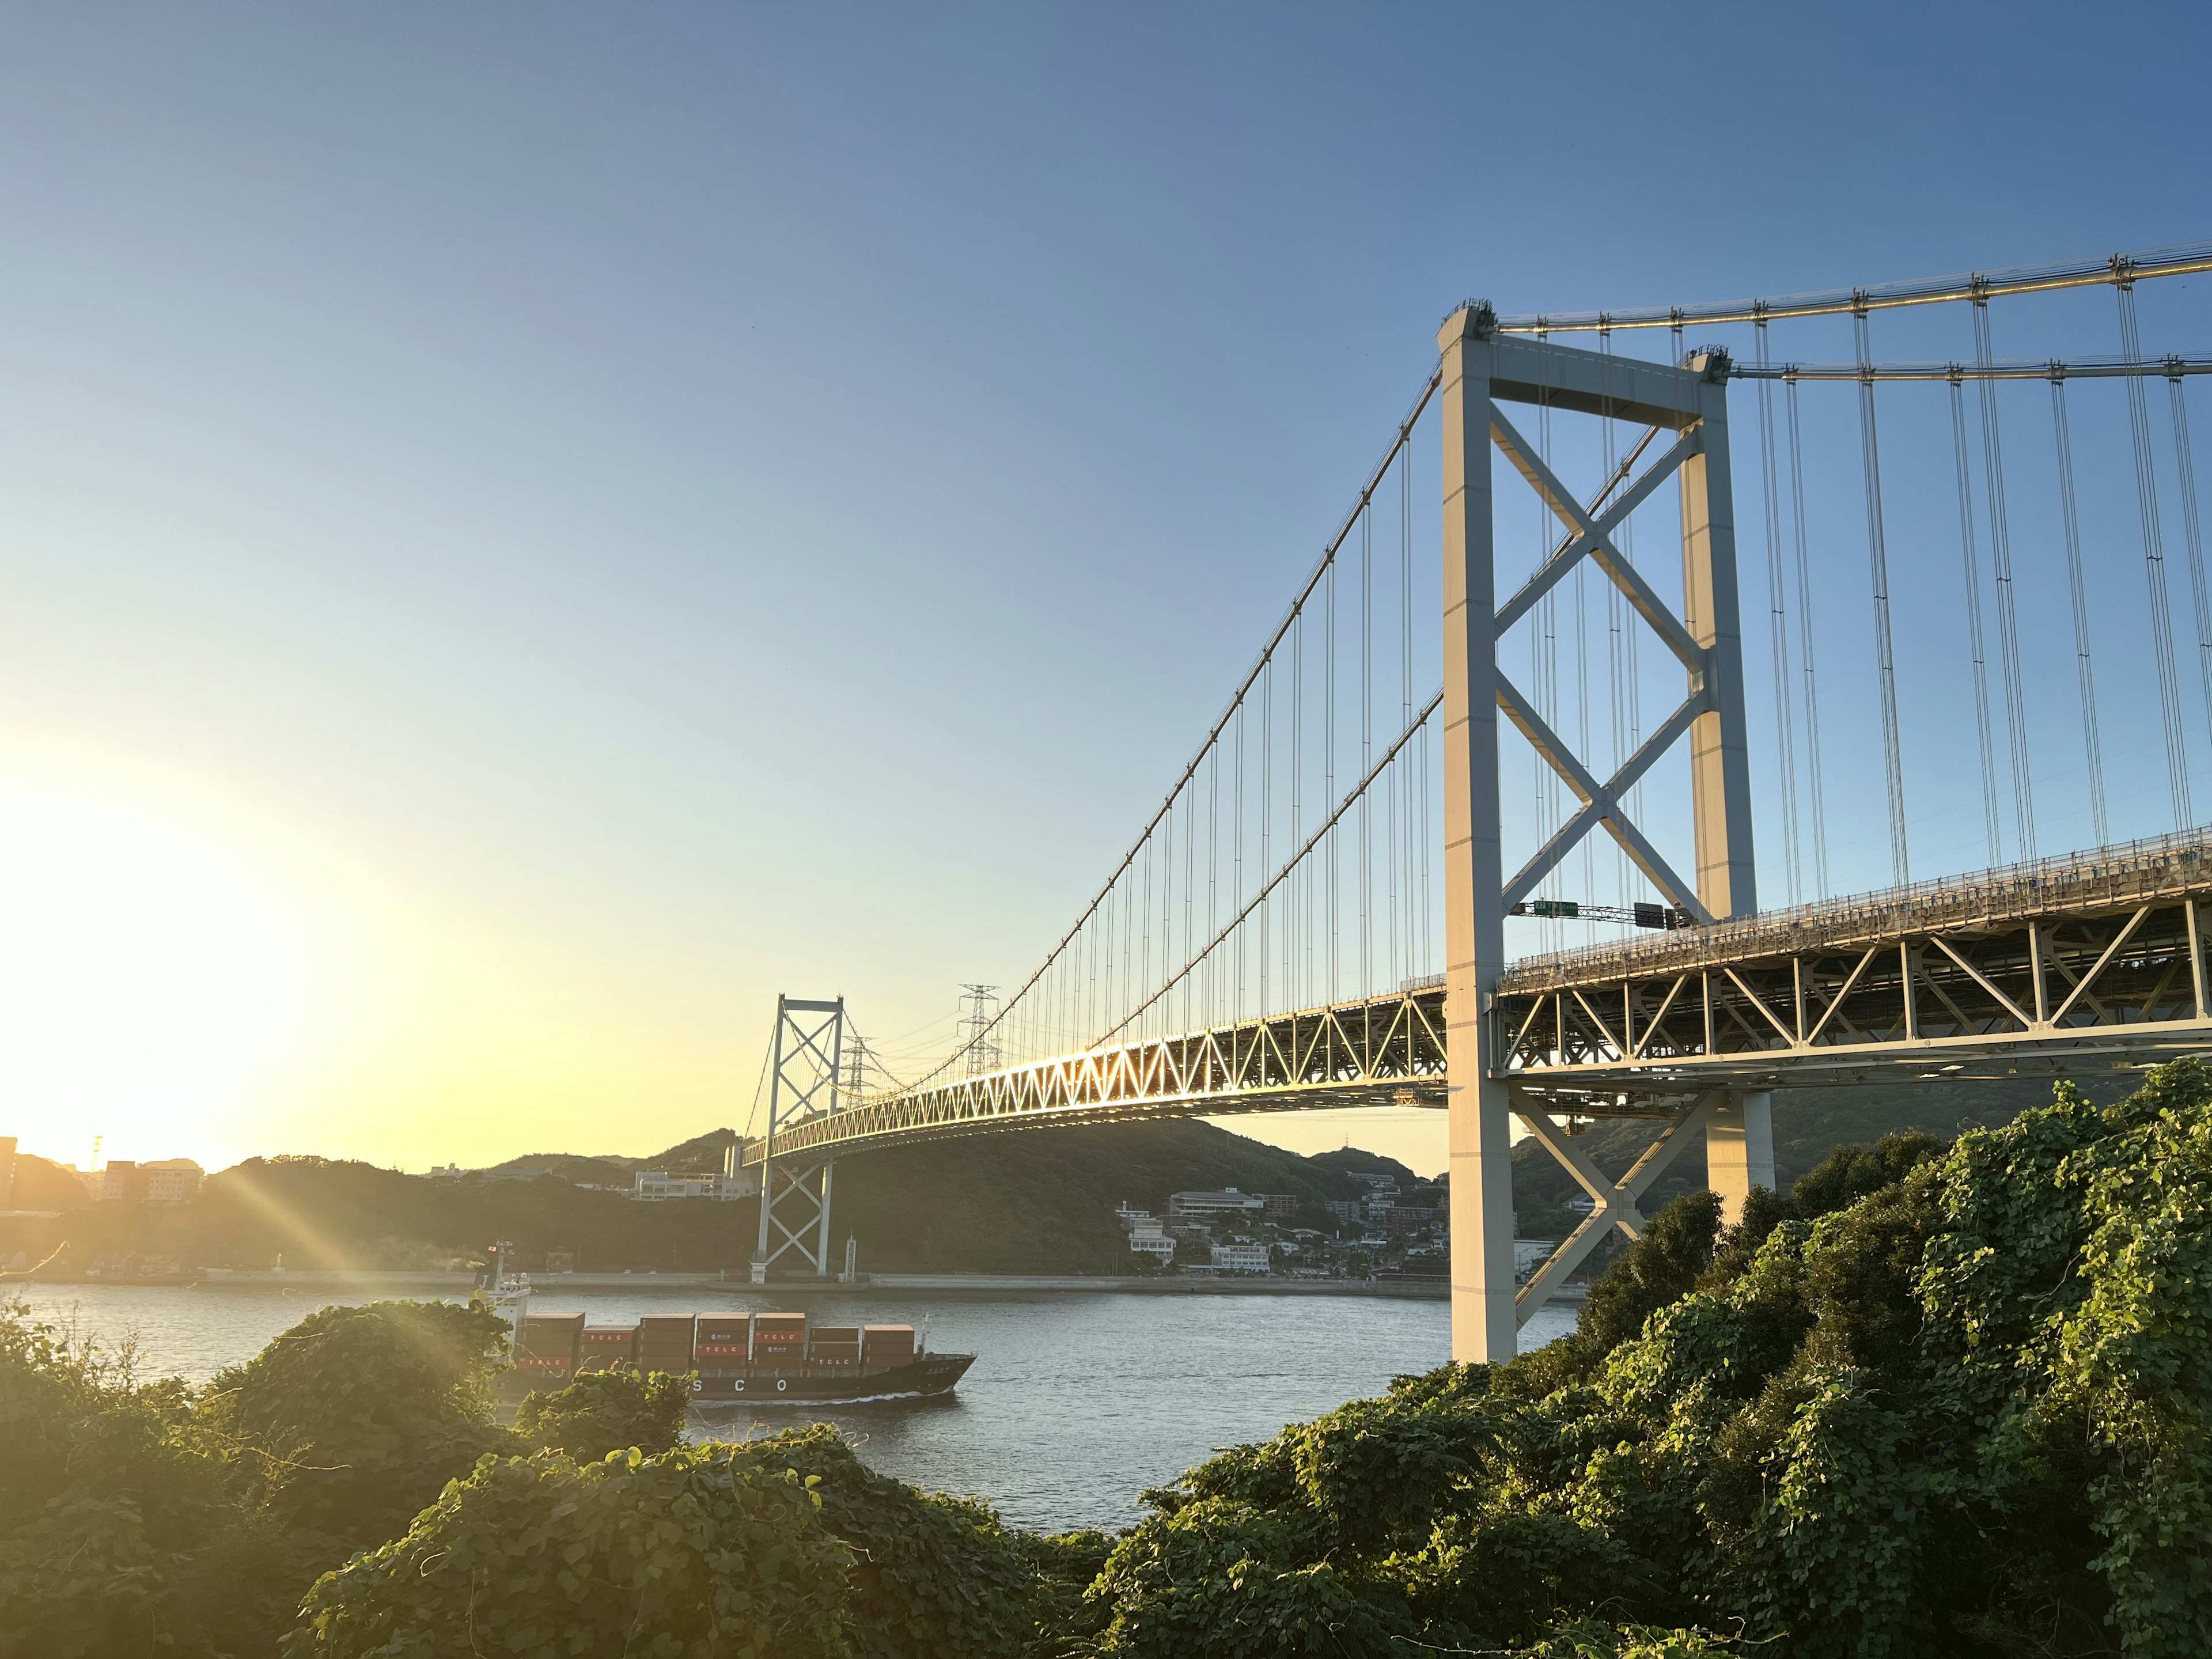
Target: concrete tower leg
[1739, 1135]
[1484, 1321]
[1740, 1151]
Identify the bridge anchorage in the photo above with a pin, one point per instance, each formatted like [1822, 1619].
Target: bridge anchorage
[1269, 942]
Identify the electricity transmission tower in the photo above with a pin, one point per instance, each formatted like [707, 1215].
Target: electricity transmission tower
[983, 1053]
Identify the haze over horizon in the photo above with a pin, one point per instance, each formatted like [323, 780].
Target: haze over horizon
[524, 534]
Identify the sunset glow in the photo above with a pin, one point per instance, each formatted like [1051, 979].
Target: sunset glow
[148, 974]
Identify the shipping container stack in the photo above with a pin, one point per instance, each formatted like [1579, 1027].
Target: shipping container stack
[779, 1340]
[724, 1344]
[549, 1347]
[604, 1347]
[837, 1346]
[887, 1345]
[664, 1343]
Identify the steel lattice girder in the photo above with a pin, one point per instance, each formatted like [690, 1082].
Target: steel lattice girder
[2100, 989]
[1389, 1051]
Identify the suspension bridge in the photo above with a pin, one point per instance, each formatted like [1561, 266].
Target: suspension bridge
[1316, 912]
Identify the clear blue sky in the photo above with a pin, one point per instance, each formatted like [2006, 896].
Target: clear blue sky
[595, 515]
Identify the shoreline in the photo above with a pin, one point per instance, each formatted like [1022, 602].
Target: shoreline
[916, 1284]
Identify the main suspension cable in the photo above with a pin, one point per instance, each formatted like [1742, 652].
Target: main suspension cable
[1351, 519]
[1835, 302]
[1289, 865]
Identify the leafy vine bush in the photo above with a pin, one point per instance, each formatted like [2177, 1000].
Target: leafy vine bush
[602, 1411]
[1938, 1400]
[355, 1418]
[694, 1552]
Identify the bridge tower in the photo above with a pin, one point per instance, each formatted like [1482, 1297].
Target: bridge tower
[1483, 369]
[804, 1078]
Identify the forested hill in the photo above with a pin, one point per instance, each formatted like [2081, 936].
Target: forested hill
[1039, 1202]
[1035, 1202]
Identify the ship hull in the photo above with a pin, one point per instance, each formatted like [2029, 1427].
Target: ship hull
[793, 1385]
[931, 1374]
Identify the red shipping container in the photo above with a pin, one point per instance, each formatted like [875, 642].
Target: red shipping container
[887, 1345]
[663, 1342]
[551, 1336]
[724, 1337]
[602, 1346]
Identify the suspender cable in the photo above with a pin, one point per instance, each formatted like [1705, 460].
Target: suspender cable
[1331, 875]
[1778, 621]
[1581, 714]
[1615, 638]
[1973, 574]
[1213, 879]
[1631, 673]
[2092, 750]
[1189, 897]
[1878, 568]
[1267, 816]
[1544, 654]
[1815, 798]
[2161, 619]
[1297, 937]
[1145, 933]
[1367, 753]
[1406, 688]
[1268, 886]
[2023, 786]
[2187, 467]
[1236, 1008]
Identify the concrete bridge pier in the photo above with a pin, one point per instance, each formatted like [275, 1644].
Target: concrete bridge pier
[1740, 1151]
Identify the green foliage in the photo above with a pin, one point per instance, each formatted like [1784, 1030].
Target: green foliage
[1936, 1401]
[352, 1420]
[603, 1411]
[696, 1552]
[137, 1517]
[115, 1534]
[1590, 1639]
[1226, 1580]
[933, 1577]
[1951, 1401]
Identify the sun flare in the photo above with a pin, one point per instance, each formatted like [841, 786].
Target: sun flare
[147, 975]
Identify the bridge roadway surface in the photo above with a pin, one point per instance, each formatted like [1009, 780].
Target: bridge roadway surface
[2086, 963]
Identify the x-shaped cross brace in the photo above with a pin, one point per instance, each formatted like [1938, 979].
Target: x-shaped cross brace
[1614, 1203]
[1592, 538]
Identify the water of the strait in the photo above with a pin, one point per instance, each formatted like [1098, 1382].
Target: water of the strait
[1077, 1401]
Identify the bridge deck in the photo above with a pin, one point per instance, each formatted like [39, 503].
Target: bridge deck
[2172, 867]
[1387, 1051]
[2092, 962]
[2089, 962]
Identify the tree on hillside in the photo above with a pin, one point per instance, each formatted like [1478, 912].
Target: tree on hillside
[351, 1421]
[1952, 1402]
[604, 1411]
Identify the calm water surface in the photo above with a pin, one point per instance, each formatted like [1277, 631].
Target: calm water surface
[1077, 1401]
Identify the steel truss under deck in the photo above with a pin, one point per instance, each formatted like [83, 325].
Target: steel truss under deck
[1387, 1051]
[2089, 963]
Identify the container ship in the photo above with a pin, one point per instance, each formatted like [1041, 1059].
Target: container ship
[770, 1357]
